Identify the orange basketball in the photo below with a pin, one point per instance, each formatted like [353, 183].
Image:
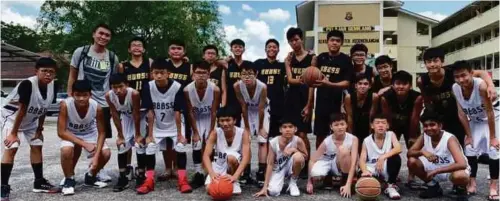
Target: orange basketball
[311, 74]
[368, 188]
[221, 189]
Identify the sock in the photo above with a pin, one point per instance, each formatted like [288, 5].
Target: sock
[197, 161]
[6, 169]
[247, 170]
[150, 162]
[393, 168]
[122, 164]
[38, 170]
[198, 168]
[494, 168]
[141, 164]
[181, 160]
[262, 167]
[473, 165]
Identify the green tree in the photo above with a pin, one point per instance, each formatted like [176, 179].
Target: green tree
[21, 36]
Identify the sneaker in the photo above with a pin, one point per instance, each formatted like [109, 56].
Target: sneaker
[43, 186]
[139, 180]
[303, 174]
[147, 186]
[92, 181]
[246, 179]
[69, 187]
[414, 185]
[103, 176]
[130, 172]
[236, 188]
[182, 183]
[292, 187]
[260, 178]
[198, 180]
[461, 192]
[392, 192]
[61, 183]
[121, 185]
[431, 192]
[5, 192]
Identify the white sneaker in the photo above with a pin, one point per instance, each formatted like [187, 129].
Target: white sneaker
[103, 176]
[236, 188]
[392, 192]
[292, 187]
[68, 191]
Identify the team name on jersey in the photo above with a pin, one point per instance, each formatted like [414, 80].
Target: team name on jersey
[215, 81]
[443, 95]
[199, 110]
[37, 111]
[298, 71]
[163, 105]
[234, 75]
[127, 112]
[137, 76]
[441, 160]
[270, 72]
[279, 163]
[474, 110]
[330, 70]
[400, 117]
[178, 76]
[81, 127]
[220, 155]
[252, 104]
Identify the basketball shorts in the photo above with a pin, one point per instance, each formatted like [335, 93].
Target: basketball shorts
[88, 138]
[203, 126]
[481, 140]
[128, 129]
[443, 177]
[278, 177]
[322, 167]
[28, 136]
[371, 167]
[253, 120]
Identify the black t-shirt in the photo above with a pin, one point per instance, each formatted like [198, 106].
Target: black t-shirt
[181, 74]
[442, 100]
[216, 77]
[297, 95]
[24, 90]
[361, 115]
[273, 75]
[232, 76]
[147, 101]
[377, 84]
[136, 76]
[400, 112]
[336, 69]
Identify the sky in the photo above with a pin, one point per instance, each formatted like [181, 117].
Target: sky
[252, 21]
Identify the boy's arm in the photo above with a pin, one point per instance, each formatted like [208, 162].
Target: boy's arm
[354, 157]
[190, 112]
[348, 110]
[115, 116]
[362, 158]
[223, 85]
[101, 132]
[269, 169]
[316, 156]
[244, 107]
[301, 147]
[488, 105]
[136, 112]
[418, 106]
[491, 92]
[416, 149]
[396, 147]
[462, 117]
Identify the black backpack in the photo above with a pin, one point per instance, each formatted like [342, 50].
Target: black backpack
[85, 51]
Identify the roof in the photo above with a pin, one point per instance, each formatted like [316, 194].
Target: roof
[424, 18]
[11, 53]
[460, 11]
[17, 63]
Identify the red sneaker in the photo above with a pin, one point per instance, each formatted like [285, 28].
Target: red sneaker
[183, 183]
[147, 186]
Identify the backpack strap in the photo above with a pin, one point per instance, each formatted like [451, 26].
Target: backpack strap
[84, 53]
[111, 60]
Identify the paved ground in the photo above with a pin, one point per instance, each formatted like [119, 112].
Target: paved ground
[22, 178]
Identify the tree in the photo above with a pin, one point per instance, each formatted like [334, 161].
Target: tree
[20, 36]
[69, 24]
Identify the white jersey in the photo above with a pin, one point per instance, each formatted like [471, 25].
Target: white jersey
[78, 125]
[280, 160]
[124, 109]
[441, 150]
[202, 108]
[36, 108]
[473, 107]
[163, 105]
[222, 148]
[373, 151]
[252, 104]
[331, 149]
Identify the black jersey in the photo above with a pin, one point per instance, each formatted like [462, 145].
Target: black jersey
[273, 74]
[137, 76]
[378, 85]
[216, 76]
[336, 69]
[361, 115]
[441, 98]
[400, 112]
[297, 95]
[232, 76]
[181, 74]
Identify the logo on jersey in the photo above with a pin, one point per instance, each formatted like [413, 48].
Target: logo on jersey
[126, 112]
[177, 76]
[200, 110]
[373, 160]
[137, 76]
[280, 162]
[37, 111]
[270, 72]
[252, 104]
[234, 75]
[163, 105]
[474, 110]
[441, 160]
[80, 127]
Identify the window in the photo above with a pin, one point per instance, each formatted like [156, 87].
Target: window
[477, 39]
[496, 32]
[467, 42]
[391, 39]
[422, 29]
[420, 52]
[390, 13]
[487, 35]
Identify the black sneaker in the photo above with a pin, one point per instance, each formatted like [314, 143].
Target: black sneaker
[94, 182]
[130, 172]
[121, 184]
[303, 174]
[43, 186]
[5, 192]
[69, 186]
[246, 179]
[139, 178]
[198, 180]
[431, 192]
[461, 192]
[260, 176]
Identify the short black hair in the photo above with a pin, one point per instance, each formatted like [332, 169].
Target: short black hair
[272, 40]
[431, 115]
[46, 62]
[237, 42]
[160, 64]
[402, 76]
[360, 77]
[137, 38]
[177, 42]
[210, 47]
[102, 25]
[379, 116]
[292, 31]
[226, 112]
[248, 66]
[434, 52]
[81, 86]
[336, 33]
[337, 117]
[287, 120]
[201, 65]
[383, 59]
[359, 47]
[461, 65]
[117, 79]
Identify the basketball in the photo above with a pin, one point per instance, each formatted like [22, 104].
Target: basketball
[221, 189]
[368, 188]
[311, 74]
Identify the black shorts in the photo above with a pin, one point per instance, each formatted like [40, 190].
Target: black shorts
[455, 127]
[321, 125]
[187, 126]
[274, 126]
[106, 113]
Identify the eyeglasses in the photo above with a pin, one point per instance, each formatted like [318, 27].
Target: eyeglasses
[244, 75]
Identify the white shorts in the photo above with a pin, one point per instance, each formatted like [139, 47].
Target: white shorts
[278, 178]
[322, 167]
[203, 126]
[128, 129]
[90, 138]
[443, 177]
[222, 168]
[161, 143]
[371, 168]
[253, 120]
[481, 140]
[28, 135]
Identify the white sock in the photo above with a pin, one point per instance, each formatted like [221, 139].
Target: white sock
[198, 168]
[431, 183]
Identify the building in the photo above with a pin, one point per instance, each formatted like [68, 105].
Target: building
[383, 26]
[17, 65]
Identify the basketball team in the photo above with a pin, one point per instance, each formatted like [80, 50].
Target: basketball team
[359, 113]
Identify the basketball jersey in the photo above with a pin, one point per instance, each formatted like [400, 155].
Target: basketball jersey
[222, 148]
[81, 126]
[442, 99]
[441, 150]
[163, 105]
[400, 112]
[280, 160]
[124, 109]
[252, 104]
[297, 95]
[473, 107]
[202, 108]
[233, 76]
[377, 84]
[373, 151]
[137, 76]
[336, 69]
[37, 106]
[273, 75]
[216, 76]
[331, 149]
[181, 74]
[361, 115]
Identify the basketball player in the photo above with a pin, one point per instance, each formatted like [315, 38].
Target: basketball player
[285, 159]
[80, 126]
[232, 150]
[380, 155]
[337, 154]
[436, 89]
[437, 157]
[203, 99]
[360, 105]
[384, 65]
[165, 101]
[272, 73]
[299, 99]
[138, 73]
[24, 113]
[338, 71]
[124, 103]
[473, 101]
[217, 71]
